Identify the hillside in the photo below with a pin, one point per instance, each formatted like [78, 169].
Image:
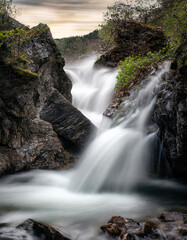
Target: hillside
[76, 47]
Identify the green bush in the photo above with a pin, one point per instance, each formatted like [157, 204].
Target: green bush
[131, 66]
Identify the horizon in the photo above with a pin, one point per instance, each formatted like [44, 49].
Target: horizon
[66, 18]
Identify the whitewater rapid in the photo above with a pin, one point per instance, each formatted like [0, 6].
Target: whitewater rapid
[114, 174]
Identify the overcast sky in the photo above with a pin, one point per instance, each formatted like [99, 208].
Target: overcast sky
[64, 17]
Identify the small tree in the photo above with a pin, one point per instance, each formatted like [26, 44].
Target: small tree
[11, 38]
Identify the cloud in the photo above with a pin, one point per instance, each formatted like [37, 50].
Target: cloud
[64, 17]
[43, 2]
[68, 4]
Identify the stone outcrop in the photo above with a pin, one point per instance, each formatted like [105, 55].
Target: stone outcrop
[46, 60]
[132, 39]
[26, 82]
[169, 225]
[171, 116]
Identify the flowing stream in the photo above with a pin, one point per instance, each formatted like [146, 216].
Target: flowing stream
[117, 173]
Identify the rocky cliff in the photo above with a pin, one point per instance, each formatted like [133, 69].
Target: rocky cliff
[26, 83]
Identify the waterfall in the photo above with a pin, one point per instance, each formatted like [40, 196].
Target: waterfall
[120, 157]
[106, 179]
[92, 88]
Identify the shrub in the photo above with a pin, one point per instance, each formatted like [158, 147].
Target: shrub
[132, 66]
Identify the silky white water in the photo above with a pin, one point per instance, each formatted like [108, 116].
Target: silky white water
[113, 177]
[92, 89]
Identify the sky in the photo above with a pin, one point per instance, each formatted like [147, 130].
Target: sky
[64, 17]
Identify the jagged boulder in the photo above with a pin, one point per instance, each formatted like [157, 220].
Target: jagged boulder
[70, 124]
[132, 39]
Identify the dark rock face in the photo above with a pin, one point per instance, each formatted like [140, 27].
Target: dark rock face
[31, 230]
[133, 39]
[25, 141]
[42, 150]
[171, 116]
[69, 123]
[170, 225]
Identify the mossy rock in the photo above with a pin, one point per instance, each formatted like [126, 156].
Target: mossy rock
[25, 74]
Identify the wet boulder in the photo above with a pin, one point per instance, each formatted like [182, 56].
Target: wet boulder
[32, 230]
[169, 225]
[118, 226]
[8, 233]
[171, 217]
[42, 231]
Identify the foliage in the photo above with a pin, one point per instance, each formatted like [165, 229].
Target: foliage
[9, 36]
[107, 35]
[131, 66]
[12, 37]
[174, 24]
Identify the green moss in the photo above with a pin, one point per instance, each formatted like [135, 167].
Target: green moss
[25, 74]
[18, 61]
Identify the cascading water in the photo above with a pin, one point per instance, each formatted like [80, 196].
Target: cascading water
[117, 161]
[92, 89]
[120, 157]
